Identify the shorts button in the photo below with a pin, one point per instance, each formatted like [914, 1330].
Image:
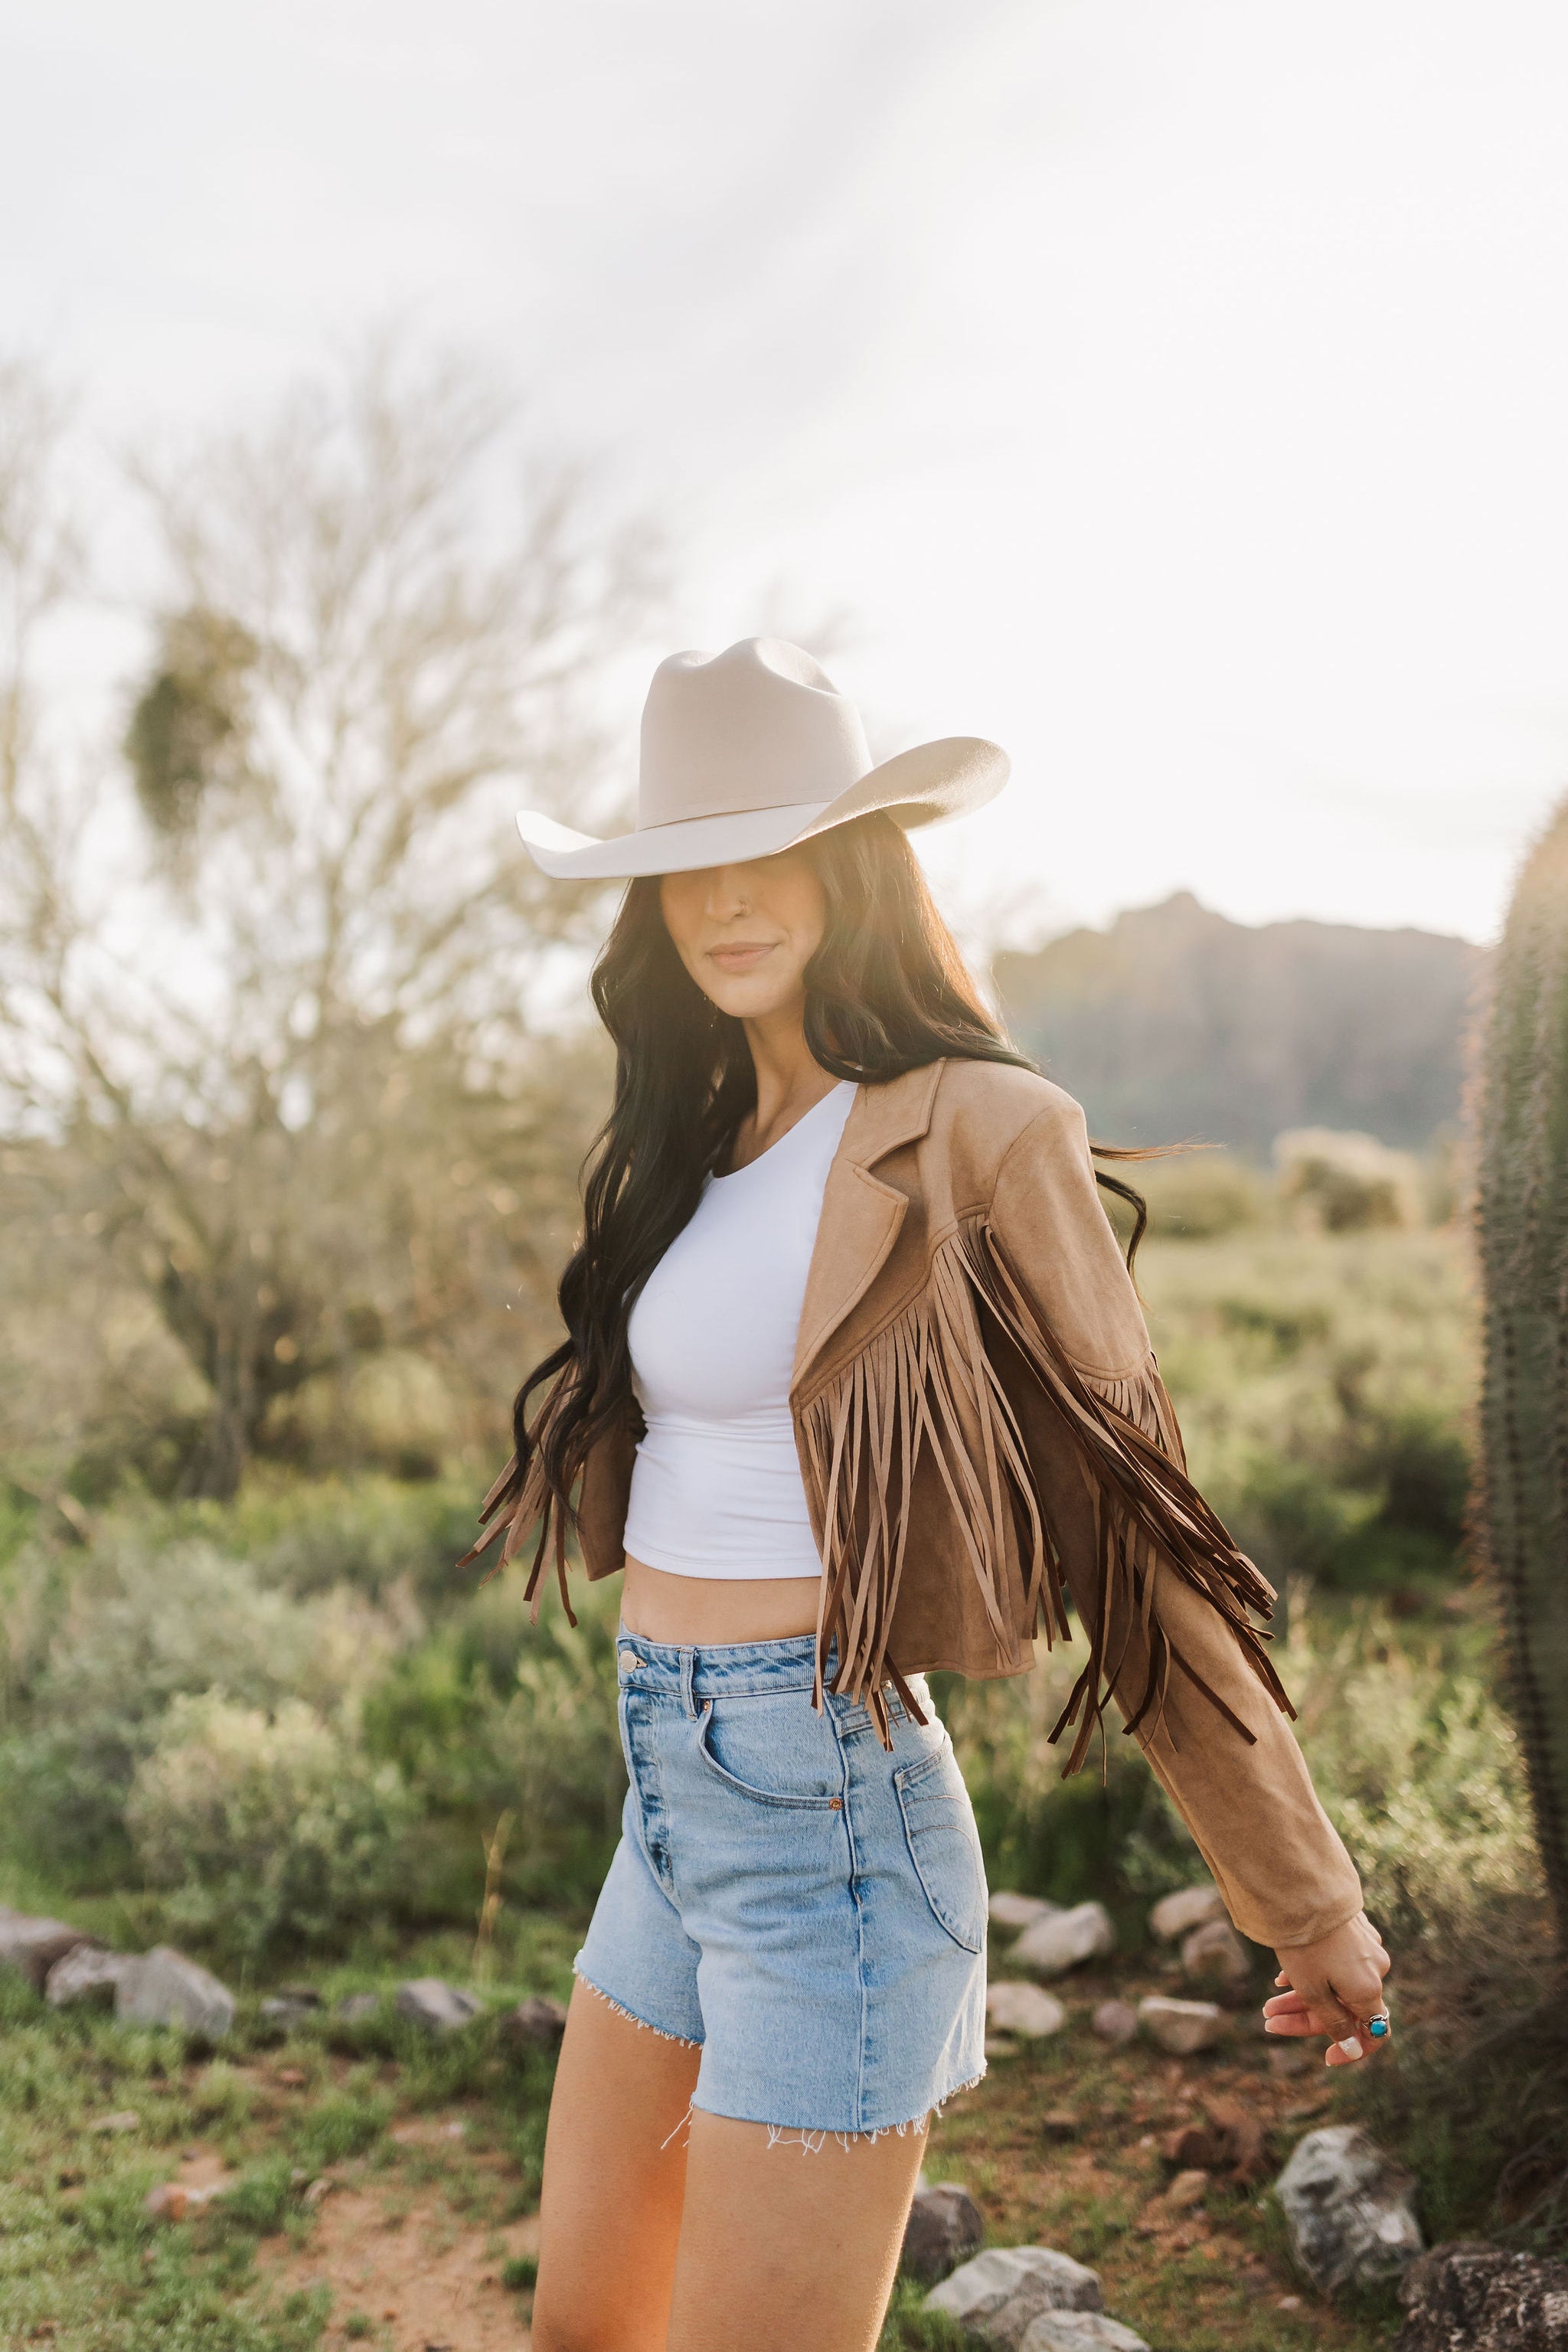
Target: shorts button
[630, 1661]
[836, 1805]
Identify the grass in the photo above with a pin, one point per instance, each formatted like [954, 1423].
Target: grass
[433, 2149]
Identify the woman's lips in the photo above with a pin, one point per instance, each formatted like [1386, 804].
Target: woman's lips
[745, 956]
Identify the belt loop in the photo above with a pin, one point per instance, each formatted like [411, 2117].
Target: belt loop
[688, 1671]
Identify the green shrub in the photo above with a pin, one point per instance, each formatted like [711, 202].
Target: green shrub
[1418, 1766]
[491, 1716]
[266, 1830]
[135, 1629]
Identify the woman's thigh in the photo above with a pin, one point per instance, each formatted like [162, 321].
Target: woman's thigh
[615, 2180]
[784, 2243]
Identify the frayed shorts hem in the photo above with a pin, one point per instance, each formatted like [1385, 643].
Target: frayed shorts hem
[810, 2138]
[644, 2024]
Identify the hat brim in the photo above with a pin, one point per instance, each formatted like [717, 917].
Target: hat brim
[921, 786]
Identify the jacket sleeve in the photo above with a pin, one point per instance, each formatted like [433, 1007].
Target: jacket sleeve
[1166, 1599]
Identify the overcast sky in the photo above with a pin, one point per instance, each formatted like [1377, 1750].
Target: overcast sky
[1173, 390]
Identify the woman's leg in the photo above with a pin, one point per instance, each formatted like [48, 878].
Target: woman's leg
[784, 2244]
[615, 2177]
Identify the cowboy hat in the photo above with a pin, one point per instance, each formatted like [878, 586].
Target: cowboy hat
[747, 752]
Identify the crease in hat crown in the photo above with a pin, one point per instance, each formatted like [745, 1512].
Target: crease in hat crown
[759, 726]
[746, 752]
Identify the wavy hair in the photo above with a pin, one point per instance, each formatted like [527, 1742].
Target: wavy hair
[886, 991]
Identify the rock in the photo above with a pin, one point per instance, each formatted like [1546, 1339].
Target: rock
[1024, 2009]
[288, 2008]
[1114, 2020]
[1012, 1912]
[1215, 1954]
[1348, 2207]
[1078, 2331]
[1232, 2137]
[87, 1972]
[1471, 2297]
[167, 2202]
[1187, 2189]
[355, 2006]
[944, 2229]
[439, 2007]
[1180, 2027]
[1239, 2127]
[1177, 1915]
[1063, 1940]
[538, 2022]
[996, 2296]
[125, 2119]
[33, 1945]
[163, 1987]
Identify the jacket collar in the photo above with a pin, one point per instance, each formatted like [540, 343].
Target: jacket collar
[860, 1214]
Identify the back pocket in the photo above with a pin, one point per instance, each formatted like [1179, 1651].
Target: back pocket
[944, 1845]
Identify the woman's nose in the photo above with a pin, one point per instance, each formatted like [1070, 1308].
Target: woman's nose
[727, 894]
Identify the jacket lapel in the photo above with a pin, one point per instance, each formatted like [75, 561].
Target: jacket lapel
[860, 1214]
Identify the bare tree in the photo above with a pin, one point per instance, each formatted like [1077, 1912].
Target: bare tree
[275, 989]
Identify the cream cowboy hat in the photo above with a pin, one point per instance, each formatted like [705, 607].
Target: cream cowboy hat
[747, 752]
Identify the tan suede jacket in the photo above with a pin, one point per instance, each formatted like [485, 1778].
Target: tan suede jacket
[982, 1431]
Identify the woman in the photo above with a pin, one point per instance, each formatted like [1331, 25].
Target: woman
[856, 1385]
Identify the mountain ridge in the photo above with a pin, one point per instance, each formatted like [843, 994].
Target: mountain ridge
[1175, 1023]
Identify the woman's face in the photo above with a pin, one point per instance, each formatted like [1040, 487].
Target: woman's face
[746, 933]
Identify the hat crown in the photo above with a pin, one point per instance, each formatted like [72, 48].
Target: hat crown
[760, 726]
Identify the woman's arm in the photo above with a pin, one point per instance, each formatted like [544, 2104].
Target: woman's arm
[1215, 1734]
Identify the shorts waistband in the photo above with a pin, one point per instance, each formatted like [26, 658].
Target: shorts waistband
[720, 1669]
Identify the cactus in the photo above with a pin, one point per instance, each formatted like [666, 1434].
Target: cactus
[1520, 1102]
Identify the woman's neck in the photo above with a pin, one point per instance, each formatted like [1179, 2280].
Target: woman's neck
[790, 1082]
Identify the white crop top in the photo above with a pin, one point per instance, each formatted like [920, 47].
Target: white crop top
[716, 1486]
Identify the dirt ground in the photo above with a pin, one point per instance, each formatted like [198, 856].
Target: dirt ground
[1069, 2143]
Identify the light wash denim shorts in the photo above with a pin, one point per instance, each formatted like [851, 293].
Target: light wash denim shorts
[804, 1905]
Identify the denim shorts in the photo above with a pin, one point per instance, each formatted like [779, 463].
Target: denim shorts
[805, 1906]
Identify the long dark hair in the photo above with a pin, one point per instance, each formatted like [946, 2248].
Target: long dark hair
[887, 991]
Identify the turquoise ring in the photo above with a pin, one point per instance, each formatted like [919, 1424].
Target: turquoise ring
[1377, 2026]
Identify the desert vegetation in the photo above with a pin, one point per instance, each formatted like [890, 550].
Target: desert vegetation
[291, 1107]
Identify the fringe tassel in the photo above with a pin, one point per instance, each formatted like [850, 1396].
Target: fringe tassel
[520, 1501]
[924, 1384]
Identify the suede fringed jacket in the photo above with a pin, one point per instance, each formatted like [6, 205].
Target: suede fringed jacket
[982, 1431]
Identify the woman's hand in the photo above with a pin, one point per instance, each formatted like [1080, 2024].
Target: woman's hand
[1335, 1985]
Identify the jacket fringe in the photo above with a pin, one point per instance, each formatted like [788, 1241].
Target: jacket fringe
[520, 1502]
[926, 1384]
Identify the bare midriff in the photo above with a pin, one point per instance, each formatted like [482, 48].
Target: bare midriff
[692, 1611]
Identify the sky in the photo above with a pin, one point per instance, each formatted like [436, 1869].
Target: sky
[1171, 390]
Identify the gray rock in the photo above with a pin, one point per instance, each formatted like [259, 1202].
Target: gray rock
[290, 2008]
[1180, 2027]
[1078, 2331]
[1190, 1906]
[1013, 1912]
[1026, 2009]
[33, 1945]
[538, 2022]
[439, 2007]
[1114, 2020]
[995, 2298]
[1477, 2298]
[163, 1987]
[944, 2229]
[1063, 1940]
[1215, 1954]
[355, 2006]
[87, 1973]
[1349, 2209]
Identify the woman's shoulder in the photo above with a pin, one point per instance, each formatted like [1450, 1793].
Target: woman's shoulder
[980, 1110]
[997, 1100]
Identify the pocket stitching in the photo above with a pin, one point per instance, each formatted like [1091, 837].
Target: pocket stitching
[744, 1787]
[909, 1777]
